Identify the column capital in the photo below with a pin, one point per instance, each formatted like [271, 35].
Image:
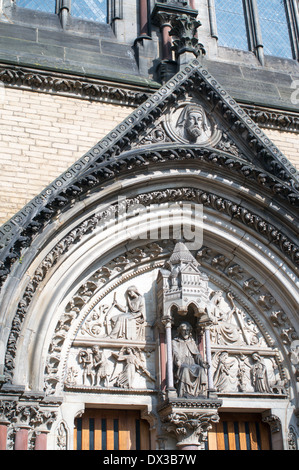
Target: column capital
[167, 321]
[189, 420]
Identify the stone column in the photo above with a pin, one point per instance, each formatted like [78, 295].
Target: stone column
[41, 440]
[143, 17]
[163, 360]
[162, 19]
[21, 438]
[7, 411]
[209, 358]
[169, 365]
[64, 11]
[205, 327]
[3, 434]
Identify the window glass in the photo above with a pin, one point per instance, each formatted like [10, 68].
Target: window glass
[92, 10]
[48, 6]
[231, 24]
[274, 26]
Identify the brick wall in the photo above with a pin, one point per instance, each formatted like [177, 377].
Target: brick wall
[288, 144]
[42, 135]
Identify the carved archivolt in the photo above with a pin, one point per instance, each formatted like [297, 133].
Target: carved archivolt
[262, 299]
[113, 345]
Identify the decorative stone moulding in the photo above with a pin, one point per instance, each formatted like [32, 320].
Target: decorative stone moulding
[33, 80]
[68, 85]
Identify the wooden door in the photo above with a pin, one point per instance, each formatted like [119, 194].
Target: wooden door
[237, 431]
[111, 430]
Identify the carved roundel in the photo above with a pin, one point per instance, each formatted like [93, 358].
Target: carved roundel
[189, 123]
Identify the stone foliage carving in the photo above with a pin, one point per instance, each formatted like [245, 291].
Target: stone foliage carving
[190, 422]
[292, 439]
[69, 85]
[33, 416]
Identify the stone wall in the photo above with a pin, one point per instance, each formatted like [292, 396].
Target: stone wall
[43, 134]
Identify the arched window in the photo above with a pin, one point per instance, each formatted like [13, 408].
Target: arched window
[48, 6]
[231, 24]
[274, 28]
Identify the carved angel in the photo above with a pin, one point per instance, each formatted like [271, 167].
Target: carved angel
[133, 363]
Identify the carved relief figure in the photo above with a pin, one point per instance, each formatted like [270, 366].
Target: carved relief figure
[259, 375]
[222, 373]
[100, 365]
[224, 331]
[95, 366]
[133, 363]
[190, 374]
[130, 323]
[193, 124]
[86, 360]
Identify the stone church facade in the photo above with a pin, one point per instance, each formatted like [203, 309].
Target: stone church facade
[149, 246]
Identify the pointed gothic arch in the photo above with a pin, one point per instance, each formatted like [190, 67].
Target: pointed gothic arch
[71, 255]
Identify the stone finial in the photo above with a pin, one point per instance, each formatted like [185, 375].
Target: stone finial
[184, 28]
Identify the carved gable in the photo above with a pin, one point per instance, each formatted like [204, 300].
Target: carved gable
[191, 117]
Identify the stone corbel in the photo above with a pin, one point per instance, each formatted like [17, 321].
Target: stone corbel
[275, 429]
[273, 421]
[189, 424]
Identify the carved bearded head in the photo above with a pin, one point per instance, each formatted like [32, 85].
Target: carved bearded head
[193, 119]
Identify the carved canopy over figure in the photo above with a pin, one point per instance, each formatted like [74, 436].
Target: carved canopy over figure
[190, 374]
[130, 323]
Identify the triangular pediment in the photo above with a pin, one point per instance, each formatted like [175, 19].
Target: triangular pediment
[219, 131]
[167, 119]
